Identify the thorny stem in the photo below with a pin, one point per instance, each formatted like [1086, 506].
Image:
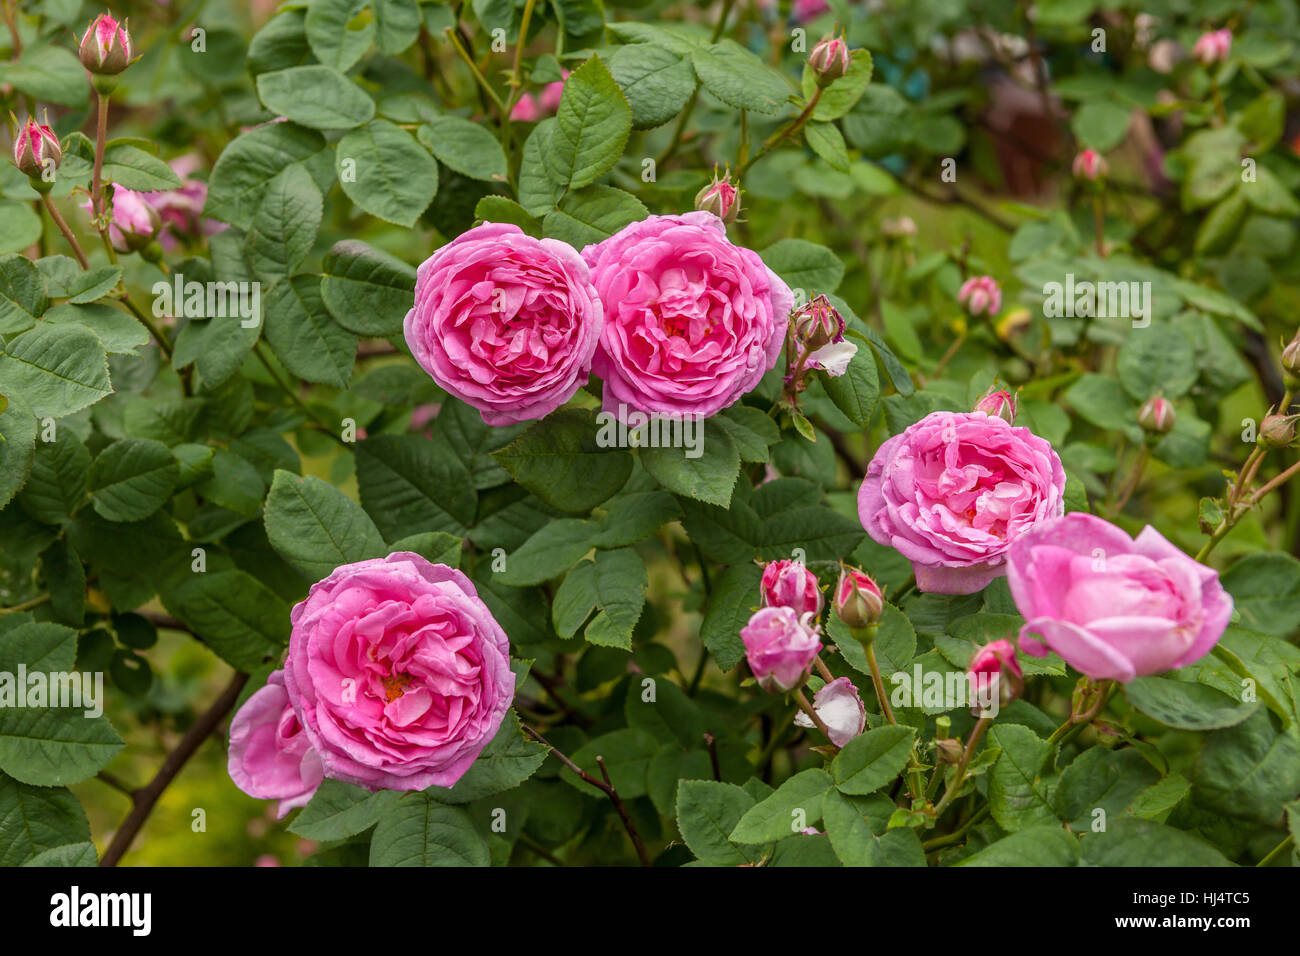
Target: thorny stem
[879, 685]
[959, 775]
[1076, 723]
[789, 129]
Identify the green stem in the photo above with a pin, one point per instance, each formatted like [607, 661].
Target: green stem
[63, 228]
[26, 605]
[473, 68]
[1277, 850]
[959, 775]
[302, 406]
[101, 138]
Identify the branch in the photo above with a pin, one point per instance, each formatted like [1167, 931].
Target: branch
[143, 800]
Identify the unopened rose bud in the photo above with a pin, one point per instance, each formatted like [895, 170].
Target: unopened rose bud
[1213, 47]
[817, 323]
[1291, 357]
[948, 751]
[135, 223]
[1157, 415]
[980, 295]
[1277, 431]
[839, 706]
[830, 60]
[999, 403]
[996, 662]
[34, 146]
[780, 647]
[858, 601]
[1090, 165]
[105, 48]
[790, 584]
[719, 197]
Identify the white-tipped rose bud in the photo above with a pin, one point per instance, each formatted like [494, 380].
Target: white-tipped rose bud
[830, 60]
[998, 403]
[980, 295]
[817, 323]
[858, 601]
[719, 197]
[1157, 415]
[1090, 165]
[105, 48]
[34, 146]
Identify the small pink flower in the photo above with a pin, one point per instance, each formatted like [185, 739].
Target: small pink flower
[134, 222]
[181, 210]
[858, 601]
[996, 663]
[1090, 165]
[530, 108]
[105, 48]
[999, 403]
[1114, 607]
[35, 144]
[270, 757]
[780, 647]
[525, 110]
[840, 707]
[790, 584]
[1213, 47]
[981, 294]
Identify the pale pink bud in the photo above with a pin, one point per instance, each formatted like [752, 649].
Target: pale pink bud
[840, 708]
[858, 601]
[105, 47]
[981, 294]
[1157, 414]
[719, 197]
[998, 403]
[1277, 431]
[1090, 165]
[1213, 47]
[830, 60]
[790, 584]
[780, 647]
[33, 146]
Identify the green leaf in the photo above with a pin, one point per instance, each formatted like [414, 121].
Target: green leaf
[500, 209]
[537, 192]
[613, 585]
[1269, 194]
[796, 804]
[1248, 771]
[17, 447]
[420, 831]
[656, 81]
[856, 845]
[1140, 843]
[561, 461]
[58, 480]
[627, 755]
[739, 78]
[1186, 705]
[1101, 124]
[1019, 796]
[132, 478]
[593, 213]
[367, 290]
[731, 604]
[591, 128]
[34, 820]
[843, 94]
[337, 32]
[1034, 846]
[508, 760]
[551, 551]
[1100, 779]
[339, 810]
[397, 24]
[246, 167]
[22, 294]
[234, 613]
[826, 140]
[317, 96]
[70, 854]
[133, 168]
[1101, 401]
[707, 812]
[316, 528]
[706, 472]
[856, 392]
[386, 172]
[1159, 357]
[117, 330]
[872, 759]
[434, 546]
[1265, 591]
[56, 369]
[304, 335]
[285, 225]
[52, 74]
[805, 265]
[406, 486]
[467, 147]
[52, 746]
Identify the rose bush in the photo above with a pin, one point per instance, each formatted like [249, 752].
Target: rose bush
[562, 433]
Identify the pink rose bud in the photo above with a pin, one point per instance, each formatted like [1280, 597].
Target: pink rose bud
[33, 146]
[525, 110]
[980, 294]
[1116, 607]
[270, 757]
[135, 222]
[840, 707]
[830, 60]
[999, 403]
[858, 601]
[1277, 431]
[790, 584]
[1090, 165]
[1291, 356]
[1213, 47]
[398, 672]
[780, 647]
[817, 323]
[106, 46]
[719, 197]
[998, 660]
[1157, 415]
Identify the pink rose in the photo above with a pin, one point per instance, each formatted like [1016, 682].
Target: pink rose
[1090, 165]
[953, 491]
[790, 584]
[980, 294]
[691, 321]
[780, 647]
[1112, 606]
[995, 664]
[1212, 47]
[839, 705]
[270, 757]
[505, 322]
[398, 672]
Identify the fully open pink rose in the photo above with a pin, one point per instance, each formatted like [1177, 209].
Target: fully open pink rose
[780, 646]
[789, 584]
[398, 672]
[1112, 606]
[691, 321]
[270, 756]
[953, 491]
[505, 322]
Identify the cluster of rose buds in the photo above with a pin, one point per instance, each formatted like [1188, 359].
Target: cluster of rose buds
[980, 295]
[1157, 415]
[817, 334]
[1213, 47]
[999, 402]
[720, 197]
[830, 59]
[36, 148]
[1090, 165]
